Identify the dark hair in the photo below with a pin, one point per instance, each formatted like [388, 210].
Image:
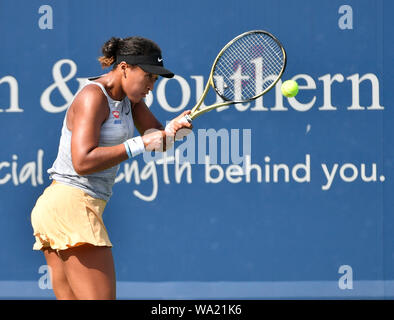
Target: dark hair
[128, 46]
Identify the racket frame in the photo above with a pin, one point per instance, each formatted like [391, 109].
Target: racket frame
[196, 113]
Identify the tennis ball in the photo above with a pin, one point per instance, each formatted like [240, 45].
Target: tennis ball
[289, 88]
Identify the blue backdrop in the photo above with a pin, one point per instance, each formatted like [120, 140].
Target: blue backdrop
[317, 222]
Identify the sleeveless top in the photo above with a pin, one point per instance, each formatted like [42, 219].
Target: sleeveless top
[115, 130]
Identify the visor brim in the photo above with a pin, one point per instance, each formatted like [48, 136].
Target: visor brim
[159, 70]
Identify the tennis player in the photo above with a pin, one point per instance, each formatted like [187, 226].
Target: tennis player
[97, 135]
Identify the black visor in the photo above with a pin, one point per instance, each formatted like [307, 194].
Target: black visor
[152, 64]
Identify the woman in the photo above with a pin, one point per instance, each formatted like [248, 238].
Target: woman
[97, 135]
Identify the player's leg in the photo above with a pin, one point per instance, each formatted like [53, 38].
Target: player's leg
[90, 272]
[60, 285]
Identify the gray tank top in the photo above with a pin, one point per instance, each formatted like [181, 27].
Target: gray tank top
[115, 130]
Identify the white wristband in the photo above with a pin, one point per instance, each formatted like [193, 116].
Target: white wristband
[169, 129]
[136, 145]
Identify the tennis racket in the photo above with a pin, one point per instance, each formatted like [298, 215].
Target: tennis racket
[246, 68]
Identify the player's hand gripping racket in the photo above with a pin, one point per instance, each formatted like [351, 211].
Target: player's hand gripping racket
[245, 69]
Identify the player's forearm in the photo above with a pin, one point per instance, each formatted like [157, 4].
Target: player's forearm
[99, 159]
[102, 158]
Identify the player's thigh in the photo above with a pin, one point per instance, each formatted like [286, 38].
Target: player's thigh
[90, 271]
[57, 274]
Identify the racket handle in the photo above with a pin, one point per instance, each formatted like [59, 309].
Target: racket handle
[188, 118]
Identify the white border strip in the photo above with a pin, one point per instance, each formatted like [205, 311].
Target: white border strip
[365, 289]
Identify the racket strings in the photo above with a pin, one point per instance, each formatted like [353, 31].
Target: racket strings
[248, 67]
[270, 68]
[242, 51]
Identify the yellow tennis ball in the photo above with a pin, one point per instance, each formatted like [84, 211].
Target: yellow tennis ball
[289, 88]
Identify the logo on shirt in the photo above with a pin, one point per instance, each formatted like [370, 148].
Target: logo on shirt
[116, 115]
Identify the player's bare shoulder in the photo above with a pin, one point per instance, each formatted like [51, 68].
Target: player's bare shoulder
[89, 102]
[91, 97]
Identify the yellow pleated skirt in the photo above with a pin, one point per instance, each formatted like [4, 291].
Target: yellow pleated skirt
[65, 216]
